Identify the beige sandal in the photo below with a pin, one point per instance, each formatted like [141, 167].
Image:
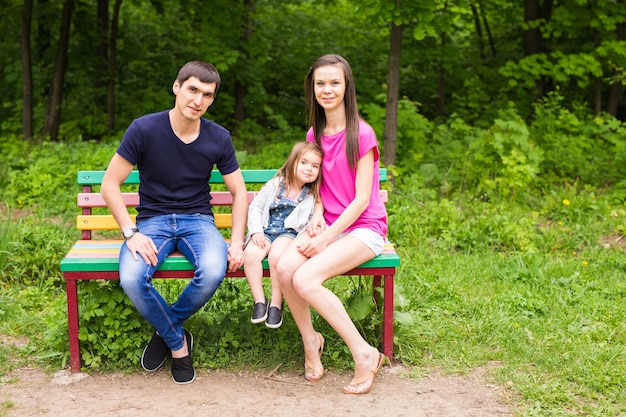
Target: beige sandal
[311, 371]
[363, 384]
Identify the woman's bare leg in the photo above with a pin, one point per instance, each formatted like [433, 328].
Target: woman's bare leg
[290, 260]
[339, 257]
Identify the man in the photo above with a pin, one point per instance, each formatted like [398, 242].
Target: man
[175, 152]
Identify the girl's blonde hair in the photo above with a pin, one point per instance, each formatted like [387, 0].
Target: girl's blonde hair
[288, 170]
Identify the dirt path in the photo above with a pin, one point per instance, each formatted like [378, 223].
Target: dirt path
[31, 392]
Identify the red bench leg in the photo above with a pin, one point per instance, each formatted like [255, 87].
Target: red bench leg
[388, 318]
[72, 324]
[387, 311]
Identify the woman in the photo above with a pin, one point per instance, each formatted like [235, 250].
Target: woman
[350, 229]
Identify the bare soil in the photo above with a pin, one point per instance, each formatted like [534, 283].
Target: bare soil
[32, 392]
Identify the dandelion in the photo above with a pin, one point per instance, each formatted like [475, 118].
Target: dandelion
[566, 202]
[560, 223]
[574, 253]
[585, 263]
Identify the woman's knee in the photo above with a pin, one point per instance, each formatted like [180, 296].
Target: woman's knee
[303, 283]
[284, 271]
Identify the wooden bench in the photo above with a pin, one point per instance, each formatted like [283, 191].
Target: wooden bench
[93, 258]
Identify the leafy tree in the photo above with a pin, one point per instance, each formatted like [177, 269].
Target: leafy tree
[574, 46]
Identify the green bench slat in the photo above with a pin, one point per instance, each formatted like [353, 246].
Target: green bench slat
[87, 264]
[253, 176]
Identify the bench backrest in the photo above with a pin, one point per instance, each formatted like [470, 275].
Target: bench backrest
[90, 197]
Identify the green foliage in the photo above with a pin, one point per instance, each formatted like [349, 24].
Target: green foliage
[503, 160]
[465, 59]
[578, 145]
[44, 175]
[111, 329]
[510, 158]
[510, 255]
[413, 128]
[32, 249]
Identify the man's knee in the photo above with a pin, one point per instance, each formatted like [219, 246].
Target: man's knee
[133, 275]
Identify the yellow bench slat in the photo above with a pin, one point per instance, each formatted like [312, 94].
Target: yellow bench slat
[107, 222]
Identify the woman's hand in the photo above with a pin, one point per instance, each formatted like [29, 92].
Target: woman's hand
[316, 225]
[313, 246]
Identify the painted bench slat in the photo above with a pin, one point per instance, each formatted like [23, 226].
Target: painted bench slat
[103, 255]
[251, 176]
[107, 222]
[95, 200]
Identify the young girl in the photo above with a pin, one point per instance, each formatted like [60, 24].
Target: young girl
[353, 221]
[277, 214]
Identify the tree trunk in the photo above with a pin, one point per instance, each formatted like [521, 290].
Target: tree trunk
[492, 43]
[393, 92]
[441, 80]
[597, 95]
[112, 65]
[479, 31]
[53, 114]
[27, 70]
[616, 89]
[241, 87]
[535, 10]
[102, 52]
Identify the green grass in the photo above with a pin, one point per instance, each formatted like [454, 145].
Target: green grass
[534, 288]
[554, 326]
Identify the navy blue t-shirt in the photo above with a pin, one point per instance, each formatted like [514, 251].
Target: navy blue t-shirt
[174, 175]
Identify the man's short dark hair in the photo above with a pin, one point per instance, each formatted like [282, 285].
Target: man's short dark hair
[203, 71]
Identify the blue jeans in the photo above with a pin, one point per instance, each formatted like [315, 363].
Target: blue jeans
[196, 237]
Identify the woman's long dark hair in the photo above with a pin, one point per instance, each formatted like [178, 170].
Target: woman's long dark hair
[316, 115]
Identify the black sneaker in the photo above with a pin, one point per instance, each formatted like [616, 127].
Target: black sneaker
[182, 368]
[274, 318]
[155, 353]
[259, 312]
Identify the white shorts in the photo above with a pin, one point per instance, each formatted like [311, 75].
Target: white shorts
[372, 240]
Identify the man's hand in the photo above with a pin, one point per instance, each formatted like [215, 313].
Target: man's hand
[235, 258]
[144, 246]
